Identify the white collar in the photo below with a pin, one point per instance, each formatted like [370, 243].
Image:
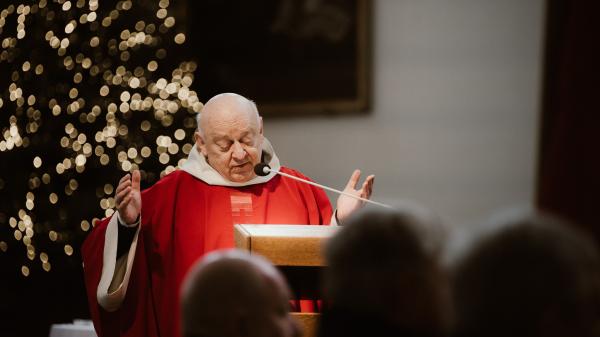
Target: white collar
[197, 166]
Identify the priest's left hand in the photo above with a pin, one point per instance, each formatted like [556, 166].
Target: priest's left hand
[347, 205]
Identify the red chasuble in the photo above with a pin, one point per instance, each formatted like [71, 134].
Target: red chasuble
[183, 218]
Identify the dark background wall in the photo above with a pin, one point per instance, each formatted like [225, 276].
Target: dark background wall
[569, 169]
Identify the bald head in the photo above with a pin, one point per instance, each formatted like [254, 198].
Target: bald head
[227, 105]
[231, 293]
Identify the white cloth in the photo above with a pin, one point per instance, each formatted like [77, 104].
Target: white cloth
[111, 301]
[197, 166]
[78, 329]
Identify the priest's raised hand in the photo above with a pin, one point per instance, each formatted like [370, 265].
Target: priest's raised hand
[128, 198]
[347, 205]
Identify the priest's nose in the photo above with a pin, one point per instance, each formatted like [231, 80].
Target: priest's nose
[238, 152]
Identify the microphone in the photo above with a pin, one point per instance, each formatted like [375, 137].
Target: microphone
[262, 169]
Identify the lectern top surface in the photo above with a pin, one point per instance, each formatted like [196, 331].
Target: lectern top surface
[308, 231]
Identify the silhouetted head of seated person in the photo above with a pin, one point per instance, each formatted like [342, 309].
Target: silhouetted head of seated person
[528, 275]
[233, 294]
[384, 278]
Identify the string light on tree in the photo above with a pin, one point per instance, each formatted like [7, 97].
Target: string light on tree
[87, 91]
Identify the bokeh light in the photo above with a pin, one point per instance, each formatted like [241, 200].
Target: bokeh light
[88, 91]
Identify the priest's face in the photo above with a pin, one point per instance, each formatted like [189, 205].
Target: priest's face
[230, 138]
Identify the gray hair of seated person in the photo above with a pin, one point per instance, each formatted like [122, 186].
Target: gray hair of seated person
[382, 265]
[222, 287]
[531, 275]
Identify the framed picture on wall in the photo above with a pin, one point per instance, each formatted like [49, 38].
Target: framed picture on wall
[292, 57]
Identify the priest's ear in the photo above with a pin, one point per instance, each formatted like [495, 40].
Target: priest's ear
[261, 135]
[200, 143]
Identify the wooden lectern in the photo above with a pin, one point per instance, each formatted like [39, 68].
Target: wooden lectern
[297, 250]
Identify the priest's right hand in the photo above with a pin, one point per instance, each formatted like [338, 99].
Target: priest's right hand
[128, 197]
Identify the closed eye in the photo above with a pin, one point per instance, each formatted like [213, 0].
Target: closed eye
[224, 146]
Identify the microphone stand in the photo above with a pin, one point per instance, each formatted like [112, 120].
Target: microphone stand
[266, 169]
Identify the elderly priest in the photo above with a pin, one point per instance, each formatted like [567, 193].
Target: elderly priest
[135, 261]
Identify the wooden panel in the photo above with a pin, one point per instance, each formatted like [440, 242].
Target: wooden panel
[241, 237]
[285, 245]
[308, 322]
[289, 246]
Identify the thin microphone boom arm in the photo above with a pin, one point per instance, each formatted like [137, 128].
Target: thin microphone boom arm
[265, 169]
